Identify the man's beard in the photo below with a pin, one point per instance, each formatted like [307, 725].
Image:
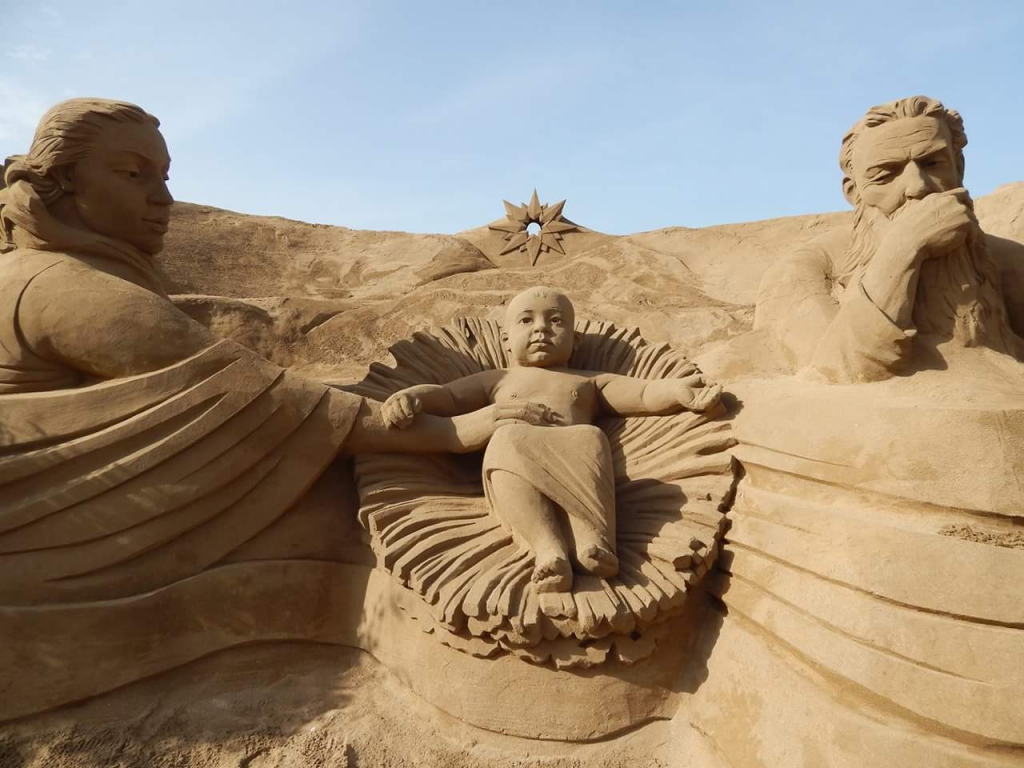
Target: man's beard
[959, 295]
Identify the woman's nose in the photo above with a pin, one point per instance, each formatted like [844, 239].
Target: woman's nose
[161, 195]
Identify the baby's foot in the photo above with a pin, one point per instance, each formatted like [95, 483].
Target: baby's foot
[557, 605]
[552, 574]
[599, 561]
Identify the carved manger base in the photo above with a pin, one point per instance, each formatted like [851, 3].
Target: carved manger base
[431, 529]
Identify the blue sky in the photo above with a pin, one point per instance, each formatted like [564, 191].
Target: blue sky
[423, 116]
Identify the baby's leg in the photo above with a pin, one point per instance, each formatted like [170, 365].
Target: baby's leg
[591, 550]
[531, 517]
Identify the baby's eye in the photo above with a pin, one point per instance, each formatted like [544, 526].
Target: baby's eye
[524, 321]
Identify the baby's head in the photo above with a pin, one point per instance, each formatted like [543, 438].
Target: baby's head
[539, 329]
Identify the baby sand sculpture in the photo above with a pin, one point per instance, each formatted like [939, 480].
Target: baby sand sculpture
[496, 564]
[564, 518]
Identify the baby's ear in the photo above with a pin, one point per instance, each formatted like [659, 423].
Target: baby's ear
[504, 337]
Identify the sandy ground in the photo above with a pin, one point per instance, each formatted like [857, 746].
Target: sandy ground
[301, 706]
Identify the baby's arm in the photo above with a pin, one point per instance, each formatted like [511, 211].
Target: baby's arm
[627, 396]
[461, 396]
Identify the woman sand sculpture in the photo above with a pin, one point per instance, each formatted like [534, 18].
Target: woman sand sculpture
[532, 474]
[137, 449]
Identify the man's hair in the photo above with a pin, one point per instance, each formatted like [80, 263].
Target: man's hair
[913, 106]
[66, 135]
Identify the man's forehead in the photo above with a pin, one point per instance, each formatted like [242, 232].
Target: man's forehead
[899, 140]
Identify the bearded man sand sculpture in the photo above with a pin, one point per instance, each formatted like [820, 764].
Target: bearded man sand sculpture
[844, 575]
[918, 273]
[553, 488]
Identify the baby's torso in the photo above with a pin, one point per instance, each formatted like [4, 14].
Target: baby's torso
[572, 396]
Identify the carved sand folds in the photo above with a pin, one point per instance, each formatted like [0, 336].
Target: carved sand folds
[123, 487]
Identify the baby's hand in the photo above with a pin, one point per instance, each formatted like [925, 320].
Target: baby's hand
[400, 409]
[701, 398]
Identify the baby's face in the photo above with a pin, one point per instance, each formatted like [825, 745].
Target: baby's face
[539, 330]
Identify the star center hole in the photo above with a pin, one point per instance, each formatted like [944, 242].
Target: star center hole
[533, 228]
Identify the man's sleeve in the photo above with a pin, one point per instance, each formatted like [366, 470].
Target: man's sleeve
[861, 343]
[841, 343]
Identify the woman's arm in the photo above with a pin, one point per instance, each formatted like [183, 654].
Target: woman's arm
[437, 434]
[464, 395]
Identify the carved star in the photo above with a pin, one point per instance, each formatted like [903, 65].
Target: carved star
[519, 217]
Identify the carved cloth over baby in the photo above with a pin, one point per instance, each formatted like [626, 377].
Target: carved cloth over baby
[129, 485]
[572, 466]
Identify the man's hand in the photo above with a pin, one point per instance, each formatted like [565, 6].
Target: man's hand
[933, 225]
[476, 429]
[400, 410]
[535, 414]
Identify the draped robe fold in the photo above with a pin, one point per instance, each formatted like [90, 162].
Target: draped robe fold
[128, 485]
[572, 466]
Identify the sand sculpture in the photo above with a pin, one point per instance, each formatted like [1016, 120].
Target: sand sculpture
[783, 580]
[552, 226]
[137, 450]
[917, 274]
[635, 506]
[901, 425]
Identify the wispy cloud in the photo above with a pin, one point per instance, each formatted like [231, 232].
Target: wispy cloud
[496, 90]
[28, 52]
[20, 110]
[51, 16]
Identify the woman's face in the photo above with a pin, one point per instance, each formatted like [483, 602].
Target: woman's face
[120, 188]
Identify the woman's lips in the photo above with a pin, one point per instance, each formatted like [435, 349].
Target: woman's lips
[158, 225]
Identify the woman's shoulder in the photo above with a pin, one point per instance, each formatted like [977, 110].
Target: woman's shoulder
[23, 264]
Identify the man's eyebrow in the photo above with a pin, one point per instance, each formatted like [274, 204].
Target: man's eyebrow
[885, 165]
[933, 148]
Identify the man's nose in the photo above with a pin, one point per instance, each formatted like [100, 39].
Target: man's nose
[916, 184]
